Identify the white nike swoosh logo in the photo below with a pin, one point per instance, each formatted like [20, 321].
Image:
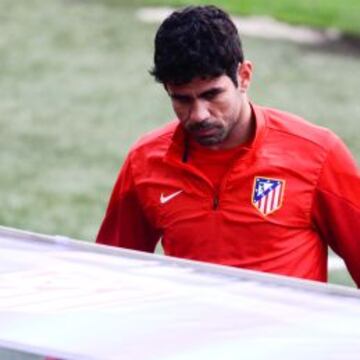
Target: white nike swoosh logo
[164, 199]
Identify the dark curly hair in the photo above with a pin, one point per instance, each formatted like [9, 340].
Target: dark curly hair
[197, 41]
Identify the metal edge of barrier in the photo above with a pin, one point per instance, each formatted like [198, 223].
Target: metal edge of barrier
[41, 352]
[198, 266]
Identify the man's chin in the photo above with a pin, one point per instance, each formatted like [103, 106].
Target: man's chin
[209, 137]
[208, 140]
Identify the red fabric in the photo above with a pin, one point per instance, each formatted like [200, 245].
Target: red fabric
[320, 205]
[214, 164]
[337, 207]
[126, 224]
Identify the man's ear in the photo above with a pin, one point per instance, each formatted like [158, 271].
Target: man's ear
[244, 73]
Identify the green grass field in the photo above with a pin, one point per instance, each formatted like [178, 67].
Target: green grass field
[75, 93]
[343, 15]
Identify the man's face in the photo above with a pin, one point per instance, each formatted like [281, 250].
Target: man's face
[209, 109]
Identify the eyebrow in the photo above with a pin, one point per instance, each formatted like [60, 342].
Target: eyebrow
[212, 92]
[204, 94]
[181, 97]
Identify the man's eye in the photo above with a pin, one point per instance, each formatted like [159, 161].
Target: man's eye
[211, 95]
[181, 100]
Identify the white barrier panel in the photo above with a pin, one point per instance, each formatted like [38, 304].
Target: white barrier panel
[75, 301]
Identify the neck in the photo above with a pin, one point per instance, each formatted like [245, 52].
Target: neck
[244, 129]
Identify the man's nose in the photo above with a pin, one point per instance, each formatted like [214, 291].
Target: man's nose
[198, 112]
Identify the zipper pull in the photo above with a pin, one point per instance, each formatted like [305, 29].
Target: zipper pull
[215, 202]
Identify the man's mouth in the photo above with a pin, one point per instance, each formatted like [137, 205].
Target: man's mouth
[203, 129]
[205, 132]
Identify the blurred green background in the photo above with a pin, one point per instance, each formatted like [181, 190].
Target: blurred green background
[75, 94]
[343, 15]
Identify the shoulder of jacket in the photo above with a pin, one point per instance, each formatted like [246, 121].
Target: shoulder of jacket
[155, 139]
[300, 129]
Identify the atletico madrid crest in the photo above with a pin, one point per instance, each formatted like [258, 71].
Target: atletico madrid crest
[267, 194]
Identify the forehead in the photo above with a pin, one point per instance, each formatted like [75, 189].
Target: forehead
[199, 85]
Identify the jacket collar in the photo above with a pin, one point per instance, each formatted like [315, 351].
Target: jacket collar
[178, 150]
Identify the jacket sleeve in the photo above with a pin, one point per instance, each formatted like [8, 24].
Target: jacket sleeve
[336, 208]
[125, 223]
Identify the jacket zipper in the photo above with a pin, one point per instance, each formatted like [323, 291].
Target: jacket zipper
[216, 202]
[194, 171]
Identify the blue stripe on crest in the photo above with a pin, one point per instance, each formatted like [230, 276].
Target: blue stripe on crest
[259, 191]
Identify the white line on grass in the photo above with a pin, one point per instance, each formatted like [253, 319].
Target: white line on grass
[258, 26]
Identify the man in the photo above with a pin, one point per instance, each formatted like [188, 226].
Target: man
[230, 182]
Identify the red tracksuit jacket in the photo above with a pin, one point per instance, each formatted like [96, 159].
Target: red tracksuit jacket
[292, 193]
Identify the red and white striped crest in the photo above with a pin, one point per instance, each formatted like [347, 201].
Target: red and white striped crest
[267, 194]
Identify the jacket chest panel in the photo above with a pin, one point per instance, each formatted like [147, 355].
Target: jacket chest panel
[170, 196]
[171, 200]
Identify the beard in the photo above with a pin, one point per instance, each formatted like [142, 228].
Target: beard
[207, 132]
